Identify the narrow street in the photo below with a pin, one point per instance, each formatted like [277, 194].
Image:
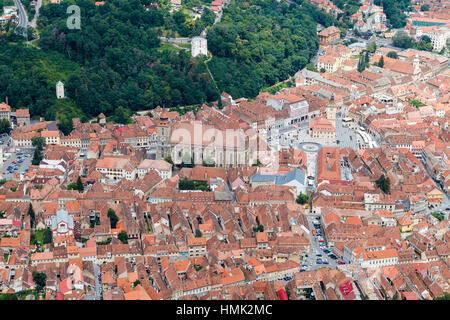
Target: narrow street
[98, 282]
[319, 254]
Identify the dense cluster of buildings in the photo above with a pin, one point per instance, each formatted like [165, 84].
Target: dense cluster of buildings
[20, 117]
[9, 14]
[205, 203]
[434, 23]
[369, 17]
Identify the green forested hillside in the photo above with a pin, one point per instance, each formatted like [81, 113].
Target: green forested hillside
[117, 48]
[116, 59]
[28, 76]
[261, 42]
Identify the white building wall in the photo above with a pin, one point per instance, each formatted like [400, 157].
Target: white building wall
[199, 46]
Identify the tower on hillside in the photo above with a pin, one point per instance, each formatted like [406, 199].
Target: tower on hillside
[60, 90]
[199, 46]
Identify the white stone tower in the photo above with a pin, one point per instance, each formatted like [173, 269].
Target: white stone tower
[60, 90]
[199, 46]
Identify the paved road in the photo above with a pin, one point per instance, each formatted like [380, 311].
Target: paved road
[317, 250]
[98, 282]
[346, 136]
[381, 42]
[319, 53]
[446, 199]
[23, 19]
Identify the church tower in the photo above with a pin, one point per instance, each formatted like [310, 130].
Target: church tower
[416, 66]
[331, 111]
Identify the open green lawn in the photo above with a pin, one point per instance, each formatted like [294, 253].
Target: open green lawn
[37, 237]
[167, 46]
[276, 87]
[184, 45]
[438, 216]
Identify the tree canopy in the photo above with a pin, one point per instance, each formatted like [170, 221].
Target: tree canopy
[425, 7]
[384, 184]
[402, 40]
[394, 10]
[39, 279]
[115, 59]
[259, 43]
[302, 198]
[392, 54]
[122, 236]
[113, 219]
[48, 238]
[445, 296]
[381, 62]
[116, 64]
[5, 126]
[31, 214]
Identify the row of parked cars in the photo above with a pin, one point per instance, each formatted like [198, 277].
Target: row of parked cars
[319, 258]
[16, 163]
